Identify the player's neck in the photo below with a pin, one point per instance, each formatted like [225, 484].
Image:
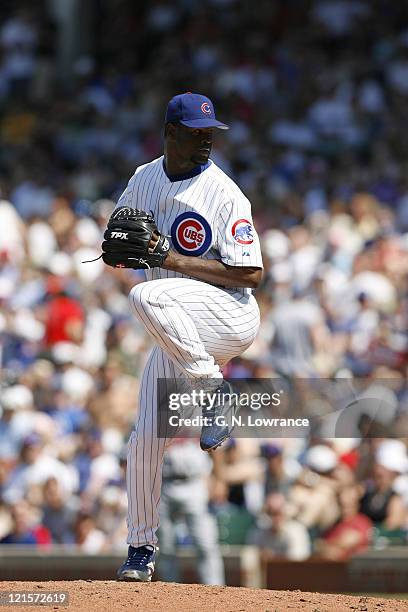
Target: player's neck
[174, 165]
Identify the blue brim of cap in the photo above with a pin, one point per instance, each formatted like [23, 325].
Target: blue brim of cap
[205, 123]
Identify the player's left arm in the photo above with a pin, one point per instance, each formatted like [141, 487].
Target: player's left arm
[240, 261]
[214, 271]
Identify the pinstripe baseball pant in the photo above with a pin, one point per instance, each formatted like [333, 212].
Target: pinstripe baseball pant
[198, 328]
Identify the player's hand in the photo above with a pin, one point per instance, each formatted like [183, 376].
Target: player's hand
[154, 241]
[132, 240]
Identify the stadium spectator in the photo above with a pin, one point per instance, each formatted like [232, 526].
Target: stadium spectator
[278, 536]
[111, 514]
[242, 471]
[18, 39]
[58, 512]
[299, 335]
[88, 538]
[26, 528]
[34, 468]
[97, 466]
[380, 502]
[280, 471]
[313, 497]
[64, 317]
[17, 419]
[353, 531]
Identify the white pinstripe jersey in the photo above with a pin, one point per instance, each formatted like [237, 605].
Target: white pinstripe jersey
[206, 215]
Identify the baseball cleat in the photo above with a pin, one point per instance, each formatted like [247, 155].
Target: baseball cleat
[219, 418]
[139, 566]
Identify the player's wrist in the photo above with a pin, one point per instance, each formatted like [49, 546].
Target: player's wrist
[170, 262]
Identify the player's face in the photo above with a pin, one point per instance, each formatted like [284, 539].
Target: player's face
[193, 144]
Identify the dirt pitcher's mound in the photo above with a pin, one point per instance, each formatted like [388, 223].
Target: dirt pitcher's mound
[101, 596]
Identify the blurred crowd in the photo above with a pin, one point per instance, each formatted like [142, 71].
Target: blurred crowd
[316, 94]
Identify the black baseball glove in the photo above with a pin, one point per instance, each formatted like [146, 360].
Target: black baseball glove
[132, 240]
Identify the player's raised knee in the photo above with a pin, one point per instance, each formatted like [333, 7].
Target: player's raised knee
[137, 296]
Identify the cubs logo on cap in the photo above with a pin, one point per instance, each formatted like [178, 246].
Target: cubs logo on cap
[242, 232]
[191, 234]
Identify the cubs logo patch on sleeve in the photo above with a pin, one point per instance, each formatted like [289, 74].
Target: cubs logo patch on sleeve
[191, 234]
[243, 232]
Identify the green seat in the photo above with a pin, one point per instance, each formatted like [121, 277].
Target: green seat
[383, 537]
[234, 524]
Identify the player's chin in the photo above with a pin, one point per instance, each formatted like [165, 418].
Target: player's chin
[200, 157]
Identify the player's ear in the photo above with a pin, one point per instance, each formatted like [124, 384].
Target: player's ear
[170, 131]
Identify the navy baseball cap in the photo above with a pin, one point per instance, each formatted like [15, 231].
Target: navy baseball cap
[194, 111]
